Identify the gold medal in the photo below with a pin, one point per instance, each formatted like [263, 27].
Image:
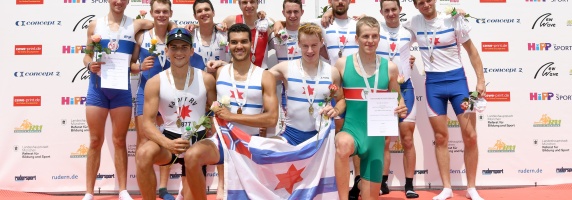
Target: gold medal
[239, 111]
[431, 58]
[340, 53]
[179, 123]
[311, 110]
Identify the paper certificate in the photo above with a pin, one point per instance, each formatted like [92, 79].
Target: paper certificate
[115, 71]
[381, 117]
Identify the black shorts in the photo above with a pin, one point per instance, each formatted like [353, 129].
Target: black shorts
[172, 136]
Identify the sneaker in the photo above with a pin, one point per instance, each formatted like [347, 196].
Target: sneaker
[88, 197]
[124, 195]
[164, 194]
[384, 188]
[354, 192]
[410, 194]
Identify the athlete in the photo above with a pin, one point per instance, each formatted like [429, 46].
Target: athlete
[440, 37]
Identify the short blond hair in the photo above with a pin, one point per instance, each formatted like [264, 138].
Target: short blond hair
[367, 21]
[310, 29]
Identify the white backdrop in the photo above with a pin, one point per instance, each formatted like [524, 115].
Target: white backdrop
[521, 141]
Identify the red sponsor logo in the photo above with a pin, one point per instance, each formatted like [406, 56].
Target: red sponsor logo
[28, 49]
[27, 100]
[494, 46]
[23, 2]
[183, 1]
[493, 1]
[497, 96]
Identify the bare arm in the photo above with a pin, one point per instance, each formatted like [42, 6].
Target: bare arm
[142, 24]
[229, 20]
[210, 86]
[324, 52]
[135, 56]
[278, 71]
[477, 65]
[90, 30]
[340, 98]
[394, 87]
[150, 110]
[269, 117]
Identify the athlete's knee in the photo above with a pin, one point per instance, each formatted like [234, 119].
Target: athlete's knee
[119, 141]
[96, 142]
[407, 142]
[144, 157]
[441, 139]
[344, 145]
[194, 157]
[470, 140]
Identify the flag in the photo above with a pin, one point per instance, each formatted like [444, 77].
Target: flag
[260, 168]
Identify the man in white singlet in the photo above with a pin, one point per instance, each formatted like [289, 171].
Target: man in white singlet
[440, 37]
[254, 105]
[182, 94]
[209, 42]
[304, 94]
[395, 46]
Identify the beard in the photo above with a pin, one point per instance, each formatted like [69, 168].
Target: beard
[341, 12]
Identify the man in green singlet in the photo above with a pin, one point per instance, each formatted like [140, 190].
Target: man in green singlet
[354, 139]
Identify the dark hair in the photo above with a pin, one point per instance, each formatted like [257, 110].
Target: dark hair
[238, 28]
[398, 4]
[168, 2]
[299, 2]
[202, 1]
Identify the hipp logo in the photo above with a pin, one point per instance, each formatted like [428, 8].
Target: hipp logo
[28, 127]
[73, 49]
[74, 1]
[501, 147]
[539, 46]
[546, 121]
[541, 96]
[73, 100]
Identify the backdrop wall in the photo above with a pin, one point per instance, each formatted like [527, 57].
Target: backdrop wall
[523, 136]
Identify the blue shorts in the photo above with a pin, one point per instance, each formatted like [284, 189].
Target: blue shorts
[442, 87]
[294, 136]
[107, 98]
[408, 94]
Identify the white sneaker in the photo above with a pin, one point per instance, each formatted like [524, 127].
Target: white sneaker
[124, 195]
[473, 194]
[445, 194]
[179, 197]
[88, 197]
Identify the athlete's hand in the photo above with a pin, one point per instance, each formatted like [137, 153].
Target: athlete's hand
[412, 61]
[357, 18]
[222, 27]
[328, 18]
[148, 63]
[461, 12]
[261, 14]
[329, 111]
[95, 67]
[481, 88]
[223, 113]
[178, 146]
[212, 65]
[277, 27]
[190, 27]
[262, 132]
[401, 111]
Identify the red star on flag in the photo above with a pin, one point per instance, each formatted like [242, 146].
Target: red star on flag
[288, 179]
[239, 94]
[343, 39]
[291, 50]
[185, 112]
[310, 90]
[436, 41]
[392, 46]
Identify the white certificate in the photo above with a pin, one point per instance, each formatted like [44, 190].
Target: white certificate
[115, 71]
[381, 117]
